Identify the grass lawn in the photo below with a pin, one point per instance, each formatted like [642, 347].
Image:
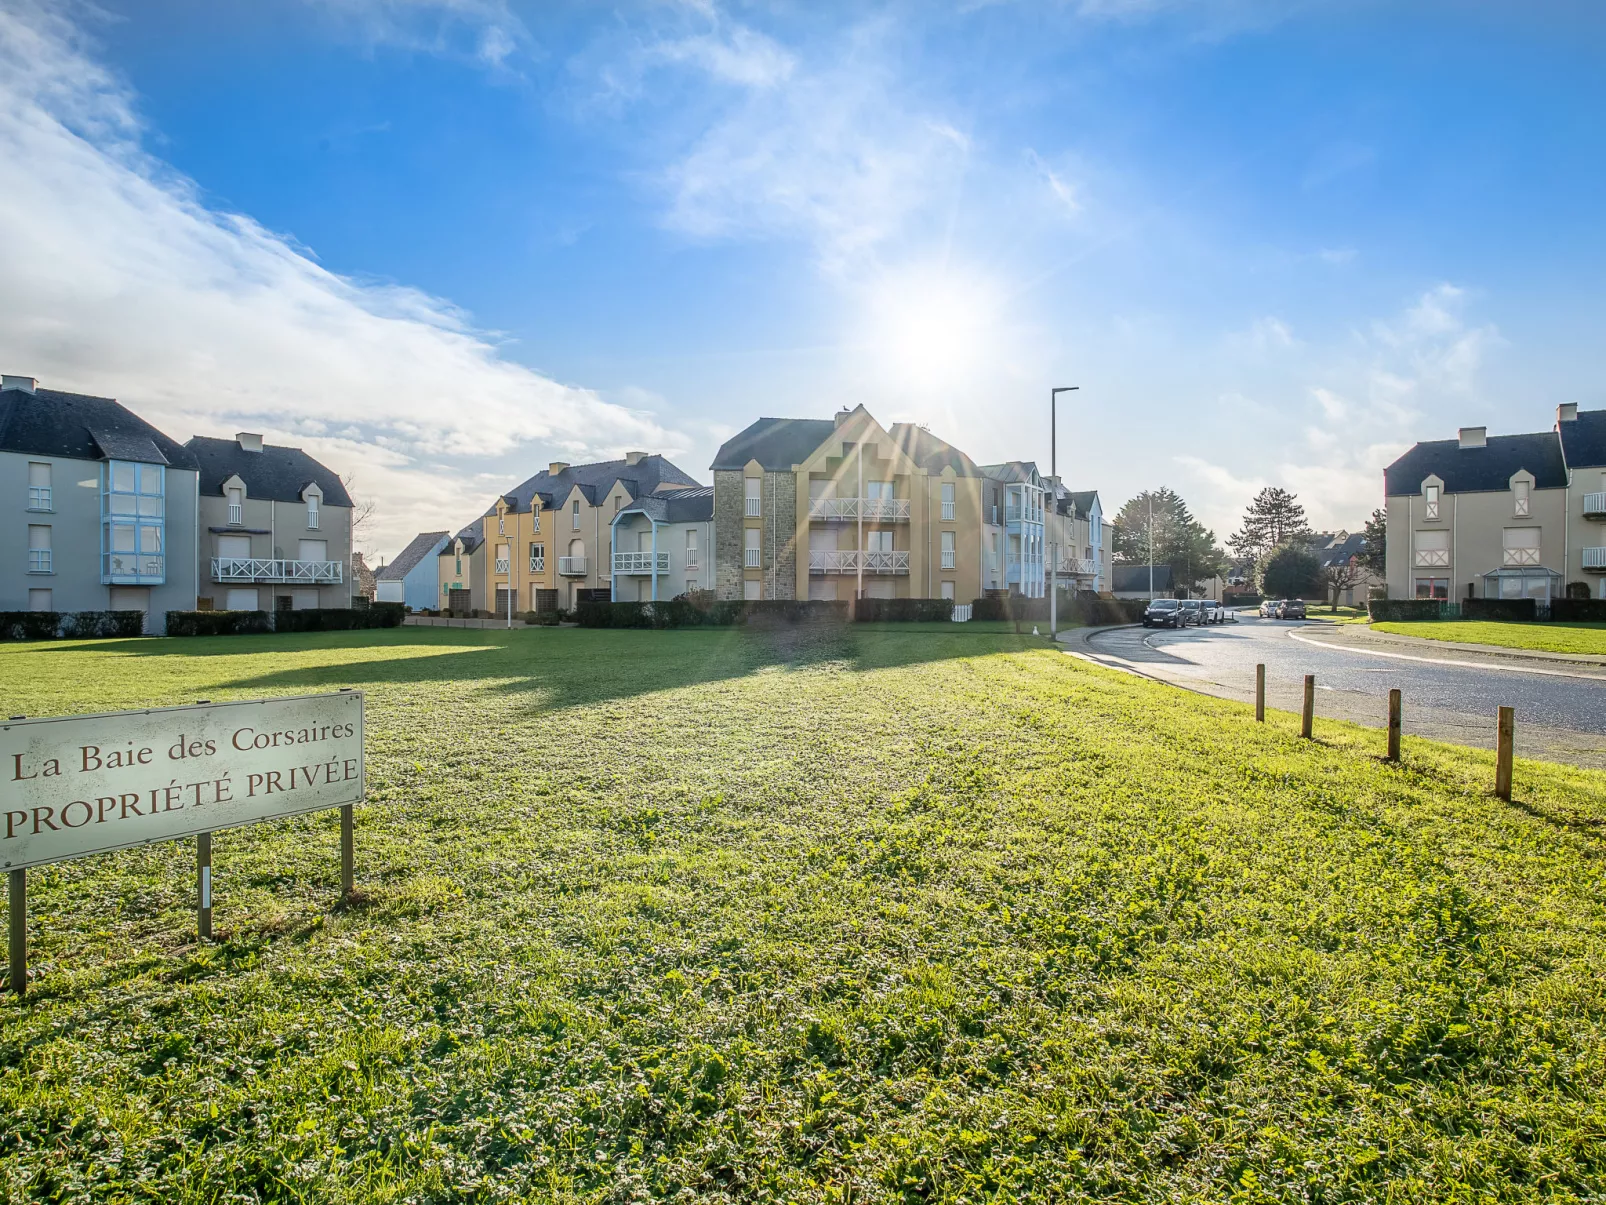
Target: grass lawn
[907, 914]
[1542, 637]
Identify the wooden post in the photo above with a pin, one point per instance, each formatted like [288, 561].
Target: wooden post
[1502, 764]
[18, 883]
[1394, 725]
[1309, 713]
[203, 883]
[1260, 694]
[348, 855]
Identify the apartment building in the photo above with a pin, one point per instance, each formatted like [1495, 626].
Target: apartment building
[275, 527]
[663, 545]
[548, 543]
[104, 506]
[1505, 516]
[413, 577]
[1016, 526]
[1078, 538]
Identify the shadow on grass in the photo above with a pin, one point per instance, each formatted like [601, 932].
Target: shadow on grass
[551, 669]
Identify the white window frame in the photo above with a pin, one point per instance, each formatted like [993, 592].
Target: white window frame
[40, 497]
[948, 501]
[1522, 498]
[1430, 502]
[753, 488]
[949, 550]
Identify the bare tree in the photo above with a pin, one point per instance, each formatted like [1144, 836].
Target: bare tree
[363, 510]
[1339, 575]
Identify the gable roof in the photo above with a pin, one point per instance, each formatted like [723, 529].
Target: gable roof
[1083, 500]
[421, 545]
[78, 426]
[776, 443]
[1467, 470]
[1336, 547]
[594, 481]
[1012, 470]
[1583, 440]
[676, 506]
[1129, 579]
[275, 473]
[930, 453]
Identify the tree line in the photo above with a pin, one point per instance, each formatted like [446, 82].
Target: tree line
[1274, 538]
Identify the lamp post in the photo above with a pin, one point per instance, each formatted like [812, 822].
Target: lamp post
[1053, 472]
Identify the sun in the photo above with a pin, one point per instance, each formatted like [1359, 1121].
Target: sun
[931, 328]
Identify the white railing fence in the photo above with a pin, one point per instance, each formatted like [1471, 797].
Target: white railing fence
[254, 569]
[574, 566]
[640, 562]
[962, 612]
[1595, 504]
[848, 509]
[1594, 558]
[851, 560]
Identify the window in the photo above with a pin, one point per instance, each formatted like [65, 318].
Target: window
[40, 600]
[1521, 546]
[751, 551]
[948, 501]
[752, 590]
[754, 488]
[693, 561]
[948, 550]
[39, 487]
[535, 517]
[40, 557]
[880, 541]
[1433, 587]
[312, 513]
[503, 557]
[1519, 499]
[537, 558]
[501, 524]
[1432, 549]
[618, 503]
[133, 503]
[948, 591]
[1533, 585]
[236, 505]
[878, 489]
[574, 516]
[1430, 499]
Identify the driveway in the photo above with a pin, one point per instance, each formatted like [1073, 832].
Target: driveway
[1560, 709]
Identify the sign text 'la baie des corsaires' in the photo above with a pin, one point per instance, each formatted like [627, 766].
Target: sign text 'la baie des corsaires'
[79, 785]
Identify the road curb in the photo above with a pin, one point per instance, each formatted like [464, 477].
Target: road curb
[1482, 650]
[1510, 669]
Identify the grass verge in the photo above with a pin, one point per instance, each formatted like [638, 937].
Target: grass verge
[1541, 637]
[852, 914]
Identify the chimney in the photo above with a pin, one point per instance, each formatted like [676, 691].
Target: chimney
[1567, 412]
[557, 466]
[30, 385]
[634, 458]
[1474, 437]
[843, 415]
[249, 441]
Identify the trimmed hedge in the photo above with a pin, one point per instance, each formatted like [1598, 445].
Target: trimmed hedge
[1088, 611]
[904, 610]
[1403, 610]
[1578, 610]
[256, 623]
[682, 613]
[1230, 598]
[1517, 609]
[70, 625]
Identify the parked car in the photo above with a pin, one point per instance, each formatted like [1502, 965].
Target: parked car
[1164, 613]
[1268, 608]
[1193, 611]
[1214, 612]
[1291, 608]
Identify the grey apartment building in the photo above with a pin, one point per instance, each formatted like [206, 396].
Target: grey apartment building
[103, 506]
[1502, 516]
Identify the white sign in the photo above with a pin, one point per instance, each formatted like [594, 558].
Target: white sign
[85, 784]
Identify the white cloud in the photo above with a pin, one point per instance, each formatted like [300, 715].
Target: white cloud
[120, 280]
[741, 56]
[1062, 190]
[486, 30]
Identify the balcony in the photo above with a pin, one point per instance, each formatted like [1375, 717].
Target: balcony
[752, 508]
[849, 510]
[1595, 506]
[1432, 558]
[538, 564]
[501, 565]
[852, 560]
[251, 569]
[572, 566]
[133, 569]
[1023, 514]
[1518, 558]
[693, 563]
[1594, 559]
[640, 562]
[1079, 566]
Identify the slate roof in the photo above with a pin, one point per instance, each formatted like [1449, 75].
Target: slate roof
[78, 426]
[647, 476]
[676, 505]
[472, 536]
[929, 452]
[275, 473]
[1336, 547]
[1468, 470]
[1083, 501]
[421, 546]
[1012, 470]
[1131, 579]
[1583, 440]
[776, 443]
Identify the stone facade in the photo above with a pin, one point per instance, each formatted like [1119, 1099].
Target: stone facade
[728, 506]
[780, 535]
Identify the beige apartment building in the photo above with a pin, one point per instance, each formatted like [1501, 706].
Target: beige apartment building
[548, 544]
[275, 528]
[1505, 516]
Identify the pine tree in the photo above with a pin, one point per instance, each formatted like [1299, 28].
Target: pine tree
[1274, 517]
[1375, 555]
[1179, 540]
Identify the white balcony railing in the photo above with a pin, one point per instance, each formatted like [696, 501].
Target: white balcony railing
[252, 569]
[1517, 558]
[236, 513]
[1026, 514]
[842, 510]
[948, 558]
[572, 566]
[1595, 506]
[501, 565]
[947, 512]
[1595, 558]
[750, 558]
[752, 507]
[693, 564]
[850, 561]
[538, 564]
[1432, 558]
[640, 562]
[1082, 566]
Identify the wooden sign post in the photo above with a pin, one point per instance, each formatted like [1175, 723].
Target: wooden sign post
[1394, 724]
[1504, 739]
[1260, 693]
[72, 786]
[1309, 714]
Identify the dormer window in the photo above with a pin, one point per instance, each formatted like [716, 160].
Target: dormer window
[312, 512]
[535, 518]
[236, 505]
[574, 515]
[501, 524]
[1519, 498]
[1430, 496]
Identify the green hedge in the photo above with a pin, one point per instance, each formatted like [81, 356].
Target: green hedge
[70, 625]
[1516, 609]
[1578, 610]
[904, 610]
[1087, 611]
[218, 623]
[681, 613]
[1404, 610]
[338, 619]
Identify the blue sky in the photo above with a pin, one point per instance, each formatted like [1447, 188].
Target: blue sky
[441, 242]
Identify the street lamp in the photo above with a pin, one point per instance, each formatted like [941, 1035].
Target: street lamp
[1053, 472]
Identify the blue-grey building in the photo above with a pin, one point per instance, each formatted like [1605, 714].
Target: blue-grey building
[413, 577]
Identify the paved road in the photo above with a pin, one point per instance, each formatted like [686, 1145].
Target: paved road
[1560, 716]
